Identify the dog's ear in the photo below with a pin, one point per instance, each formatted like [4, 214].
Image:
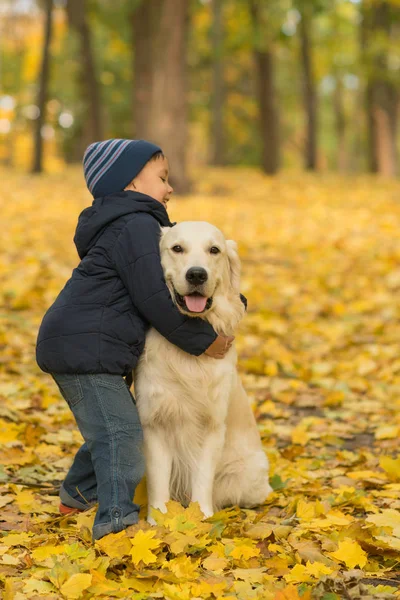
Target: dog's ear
[164, 231]
[234, 264]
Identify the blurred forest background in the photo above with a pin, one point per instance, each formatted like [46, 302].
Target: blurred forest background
[308, 84]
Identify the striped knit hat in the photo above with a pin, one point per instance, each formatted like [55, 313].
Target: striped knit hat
[110, 165]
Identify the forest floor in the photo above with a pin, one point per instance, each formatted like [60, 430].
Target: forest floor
[319, 357]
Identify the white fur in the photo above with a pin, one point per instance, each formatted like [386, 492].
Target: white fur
[201, 439]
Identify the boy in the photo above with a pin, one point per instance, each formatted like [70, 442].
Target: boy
[94, 333]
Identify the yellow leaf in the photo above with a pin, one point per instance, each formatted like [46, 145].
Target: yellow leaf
[178, 541]
[308, 572]
[351, 553]
[338, 519]
[387, 518]
[85, 519]
[183, 567]
[9, 559]
[389, 541]
[305, 510]
[177, 592]
[100, 585]
[259, 531]
[16, 539]
[365, 475]
[139, 585]
[217, 549]
[244, 548]
[334, 399]
[141, 493]
[142, 546]
[184, 520]
[210, 588]
[26, 501]
[215, 564]
[40, 587]
[9, 431]
[115, 545]
[75, 585]
[391, 466]
[7, 499]
[40, 554]
[387, 432]
[9, 592]
[251, 575]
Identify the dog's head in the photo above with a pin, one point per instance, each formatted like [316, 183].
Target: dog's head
[201, 268]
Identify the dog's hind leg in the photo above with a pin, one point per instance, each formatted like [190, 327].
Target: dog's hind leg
[158, 457]
[242, 474]
[243, 482]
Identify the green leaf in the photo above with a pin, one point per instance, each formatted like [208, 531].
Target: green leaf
[276, 482]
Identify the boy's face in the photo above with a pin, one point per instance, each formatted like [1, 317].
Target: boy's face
[153, 181]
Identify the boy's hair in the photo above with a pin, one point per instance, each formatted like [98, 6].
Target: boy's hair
[157, 155]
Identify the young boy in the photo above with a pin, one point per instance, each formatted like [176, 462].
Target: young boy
[94, 333]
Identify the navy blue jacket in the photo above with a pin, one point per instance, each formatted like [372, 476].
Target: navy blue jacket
[98, 322]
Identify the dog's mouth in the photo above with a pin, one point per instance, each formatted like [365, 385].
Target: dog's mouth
[194, 302]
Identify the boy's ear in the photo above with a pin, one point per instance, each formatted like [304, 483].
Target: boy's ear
[234, 265]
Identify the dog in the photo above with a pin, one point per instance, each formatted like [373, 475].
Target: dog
[201, 441]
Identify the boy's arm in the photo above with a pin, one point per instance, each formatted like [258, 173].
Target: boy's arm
[136, 256]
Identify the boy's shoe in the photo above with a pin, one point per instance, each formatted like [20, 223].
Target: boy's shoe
[68, 510]
[70, 506]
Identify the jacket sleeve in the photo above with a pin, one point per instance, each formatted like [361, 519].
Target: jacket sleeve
[136, 257]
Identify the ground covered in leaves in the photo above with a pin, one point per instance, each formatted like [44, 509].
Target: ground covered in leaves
[319, 355]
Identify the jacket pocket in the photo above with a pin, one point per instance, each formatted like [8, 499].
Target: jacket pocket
[70, 388]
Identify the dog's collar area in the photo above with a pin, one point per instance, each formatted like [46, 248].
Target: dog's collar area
[180, 300]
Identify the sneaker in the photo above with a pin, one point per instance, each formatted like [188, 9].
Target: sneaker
[70, 506]
[68, 510]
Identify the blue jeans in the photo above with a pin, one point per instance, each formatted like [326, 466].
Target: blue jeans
[110, 464]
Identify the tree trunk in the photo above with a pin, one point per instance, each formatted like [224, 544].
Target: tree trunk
[160, 98]
[142, 26]
[381, 96]
[217, 101]
[309, 93]
[340, 123]
[92, 125]
[268, 111]
[37, 166]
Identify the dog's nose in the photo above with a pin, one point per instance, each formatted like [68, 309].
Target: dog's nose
[196, 275]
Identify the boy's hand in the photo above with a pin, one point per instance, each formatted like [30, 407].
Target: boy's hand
[220, 346]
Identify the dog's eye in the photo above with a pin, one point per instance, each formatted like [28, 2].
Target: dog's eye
[177, 248]
[214, 250]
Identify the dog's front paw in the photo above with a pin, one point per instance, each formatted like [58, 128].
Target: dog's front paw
[207, 511]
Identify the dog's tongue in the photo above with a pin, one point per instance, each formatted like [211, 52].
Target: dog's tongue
[196, 303]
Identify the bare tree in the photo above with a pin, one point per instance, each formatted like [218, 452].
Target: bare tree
[160, 29]
[340, 124]
[217, 98]
[378, 27]
[92, 125]
[266, 94]
[309, 88]
[37, 166]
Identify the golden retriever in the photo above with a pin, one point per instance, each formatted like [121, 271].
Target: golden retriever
[201, 440]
